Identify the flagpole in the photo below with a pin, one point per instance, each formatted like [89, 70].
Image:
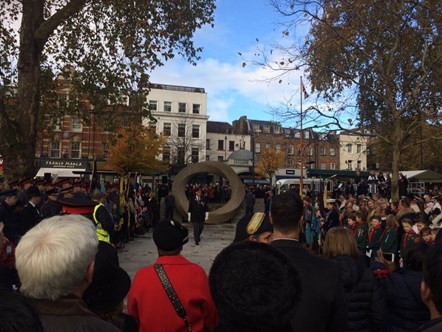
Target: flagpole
[301, 181]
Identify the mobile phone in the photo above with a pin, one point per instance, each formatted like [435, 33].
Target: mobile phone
[388, 256]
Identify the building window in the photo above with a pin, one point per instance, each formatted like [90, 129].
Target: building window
[323, 166]
[359, 165]
[195, 155]
[182, 107]
[332, 166]
[167, 129]
[332, 151]
[152, 105]
[220, 159]
[181, 129]
[268, 146]
[310, 151]
[105, 146]
[57, 124]
[359, 148]
[290, 162]
[349, 148]
[75, 150]
[278, 147]
[277, 129]
[291, 150]
[76, 124]
[257, 147]
[266, 129]
[166, 153]
[167, 106]
[55, 149]
[306, 134]
[350, 165]
[207, 144]
[299, 151]
[207, 157]
[195, 131]
[256, 128]
[231, 145]
[323, 151]
[297, 134]
[220, 144]
[196, 108]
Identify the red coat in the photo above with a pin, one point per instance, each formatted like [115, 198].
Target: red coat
[149, 304]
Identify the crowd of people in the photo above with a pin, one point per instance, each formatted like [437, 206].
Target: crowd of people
[357, 263]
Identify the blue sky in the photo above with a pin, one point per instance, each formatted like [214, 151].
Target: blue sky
[234, 90]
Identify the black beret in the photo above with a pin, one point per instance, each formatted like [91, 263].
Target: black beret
[252, 224]
[170, 235]
[254, 287]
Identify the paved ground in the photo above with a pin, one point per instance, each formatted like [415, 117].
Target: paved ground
[142, 251]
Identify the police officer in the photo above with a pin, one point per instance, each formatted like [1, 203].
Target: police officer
[52, 206]
[198, 213]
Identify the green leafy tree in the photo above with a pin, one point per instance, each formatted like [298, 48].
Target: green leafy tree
[111, 44]
[380, 58]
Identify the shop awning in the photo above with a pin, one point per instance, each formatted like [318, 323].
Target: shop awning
[60, 172]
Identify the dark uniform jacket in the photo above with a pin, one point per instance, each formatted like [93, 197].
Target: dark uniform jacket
[29, 217]
[12, 229]
[50, 209]
[362, 236]
[322, 306]
[197, 209]
[374, 237]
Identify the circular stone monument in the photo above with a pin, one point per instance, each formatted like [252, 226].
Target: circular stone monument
[224, 213]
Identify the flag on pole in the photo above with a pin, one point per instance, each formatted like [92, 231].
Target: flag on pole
[304, 91]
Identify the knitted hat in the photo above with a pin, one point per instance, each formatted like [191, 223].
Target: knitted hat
[254, 224]
[170, 235]
[255, 287]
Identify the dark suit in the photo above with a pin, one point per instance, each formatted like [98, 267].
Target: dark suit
[322, 306]
[197, 209]
[29, 217]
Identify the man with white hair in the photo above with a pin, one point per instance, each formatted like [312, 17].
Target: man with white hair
[55, 263]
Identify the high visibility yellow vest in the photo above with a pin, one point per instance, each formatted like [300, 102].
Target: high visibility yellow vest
[102, 234]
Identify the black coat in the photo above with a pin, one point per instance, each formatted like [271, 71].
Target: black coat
[9, 217]
[50, 209]
[322, 307]
[406, 311]
[29, 217]
[366, 305]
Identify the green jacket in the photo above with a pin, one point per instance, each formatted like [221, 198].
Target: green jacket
[374, 237]
[388, 241]
[362, 236]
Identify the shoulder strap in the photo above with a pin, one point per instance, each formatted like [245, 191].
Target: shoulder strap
[173, 297]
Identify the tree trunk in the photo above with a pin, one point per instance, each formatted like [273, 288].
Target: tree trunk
[19, 129]
[396, 155]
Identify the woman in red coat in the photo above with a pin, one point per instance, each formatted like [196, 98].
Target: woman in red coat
[148, 301]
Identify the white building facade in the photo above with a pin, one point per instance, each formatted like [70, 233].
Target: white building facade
[353, 152]
[181, 116]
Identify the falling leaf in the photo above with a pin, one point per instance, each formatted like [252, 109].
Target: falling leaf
[240, 53]
[244, 64]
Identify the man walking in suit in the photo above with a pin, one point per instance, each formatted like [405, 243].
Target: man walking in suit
[198, 213]
[322, 307]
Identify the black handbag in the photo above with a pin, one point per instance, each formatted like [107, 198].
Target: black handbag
[173, 297]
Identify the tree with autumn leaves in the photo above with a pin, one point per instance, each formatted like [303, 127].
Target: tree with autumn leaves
[269, 162]
[135, 150]
[111, 45]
